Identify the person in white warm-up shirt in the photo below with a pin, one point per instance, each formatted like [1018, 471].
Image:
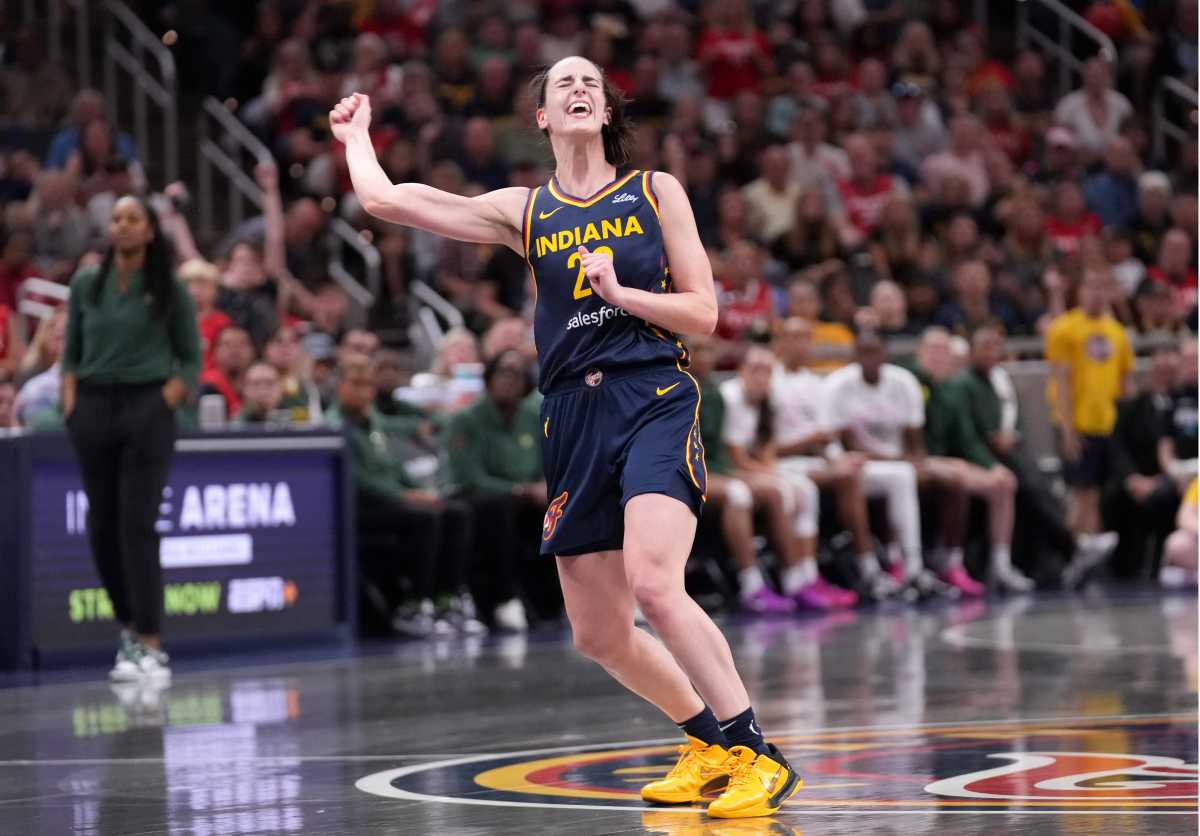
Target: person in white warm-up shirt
[807, 444]
[750, 435]
[877, 409]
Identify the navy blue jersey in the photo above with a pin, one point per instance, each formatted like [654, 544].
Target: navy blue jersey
[574, 329]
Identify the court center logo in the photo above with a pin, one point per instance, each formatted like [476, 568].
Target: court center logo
[1016, 767]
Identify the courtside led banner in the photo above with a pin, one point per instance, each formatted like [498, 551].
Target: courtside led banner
[249, 547]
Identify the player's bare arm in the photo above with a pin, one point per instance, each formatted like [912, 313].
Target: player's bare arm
[492, 218]
[692, 307]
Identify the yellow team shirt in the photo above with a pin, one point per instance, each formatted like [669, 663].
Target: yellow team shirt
[1189, 498]
[831, 347]
[1099, 356]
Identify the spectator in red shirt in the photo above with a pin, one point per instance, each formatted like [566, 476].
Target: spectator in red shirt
[16, 265]
[867, 190]
[203, 280]
[1070, 221]
[232, 355]
[734, 54]
[11, 347]
[744, 301]
[1174, 269]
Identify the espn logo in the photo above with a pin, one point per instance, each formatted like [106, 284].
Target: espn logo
[249, 595]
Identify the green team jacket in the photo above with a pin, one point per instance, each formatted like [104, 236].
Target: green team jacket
[489, 455]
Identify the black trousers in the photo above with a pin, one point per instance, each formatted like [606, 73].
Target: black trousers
[507, 549]
[1142, 526]
[124, 437]
[430, 546]
[1041, 520]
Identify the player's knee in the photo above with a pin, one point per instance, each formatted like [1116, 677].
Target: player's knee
[1180, 550]
[655, 594]
[603, 643]
[1006, 483]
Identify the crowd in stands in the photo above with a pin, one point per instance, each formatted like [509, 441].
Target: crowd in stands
[862, 172]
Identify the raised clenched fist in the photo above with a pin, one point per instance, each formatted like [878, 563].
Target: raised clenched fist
[350, 115]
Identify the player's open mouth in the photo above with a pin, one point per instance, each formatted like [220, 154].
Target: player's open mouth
[580, 109]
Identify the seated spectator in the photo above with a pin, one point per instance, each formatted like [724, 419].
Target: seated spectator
[772, 199]
[358, 341]
[745, 303]
[97, 160]
[935, 368]
[1177, 450]
[897, 245]
[12, 348]
[34, 92]
[815, 163]
[300, 394]
[496, 465]
[1174, 268]
[393, 370]
[1095, 113]
[991, 433]
[203, 283]
[790, 499]
[431, 535]
[1061, 160]
[247, 296]
[510, 333]
[876, 409]
[1069, 221]
[1152, 217]
[61, 231]
[1140, 498]
[1179, 556]
[1156, 313]
[1127, 269]
[832, 342]
[233, 354]
[813, 236]
[1112, 193]
[262, 398]
[867, 190]
[8, 397]
[887, 312]
[16, 263]
[87, 106]
[964, 157]
[973, 302]
[919, 131]
[39, 395]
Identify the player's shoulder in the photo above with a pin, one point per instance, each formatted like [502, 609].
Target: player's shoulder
[897, 375]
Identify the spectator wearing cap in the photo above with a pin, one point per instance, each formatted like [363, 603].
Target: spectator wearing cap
[233, 353]
[1112, 193]
[1173, 268]
[1152, 217]
[1095, 113]
[919, 130]
[496, 465]
[1060, 160]
[203, 283]
[771, 199]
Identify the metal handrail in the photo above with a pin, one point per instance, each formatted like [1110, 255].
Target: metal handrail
[424, 293]
[162, 90]
[1068, 22]
[225, 154]
[1164, 128]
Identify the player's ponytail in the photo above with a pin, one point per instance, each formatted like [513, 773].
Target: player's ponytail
[617, 134]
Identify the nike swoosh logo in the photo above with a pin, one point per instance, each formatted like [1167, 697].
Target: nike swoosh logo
[543, 215]
[731, 722]
[662, 392]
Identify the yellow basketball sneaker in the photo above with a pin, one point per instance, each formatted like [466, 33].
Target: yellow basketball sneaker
[701, 768]
[758, 786]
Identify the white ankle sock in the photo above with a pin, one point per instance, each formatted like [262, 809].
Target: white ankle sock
[750, 580]
[953, 558]
[1001, 558]
[794, 578]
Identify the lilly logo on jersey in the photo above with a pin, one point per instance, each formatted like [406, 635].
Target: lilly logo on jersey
[625, 197]
[570, 239]
[553, 514]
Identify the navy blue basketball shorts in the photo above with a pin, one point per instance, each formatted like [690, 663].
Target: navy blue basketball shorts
[611, 438]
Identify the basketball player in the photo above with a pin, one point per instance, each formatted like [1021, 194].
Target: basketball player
[619, 271]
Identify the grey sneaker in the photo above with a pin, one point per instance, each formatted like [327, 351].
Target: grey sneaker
[414, 619]
[126, 668]
[461, 615]
[154, 664]
[510, 616]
